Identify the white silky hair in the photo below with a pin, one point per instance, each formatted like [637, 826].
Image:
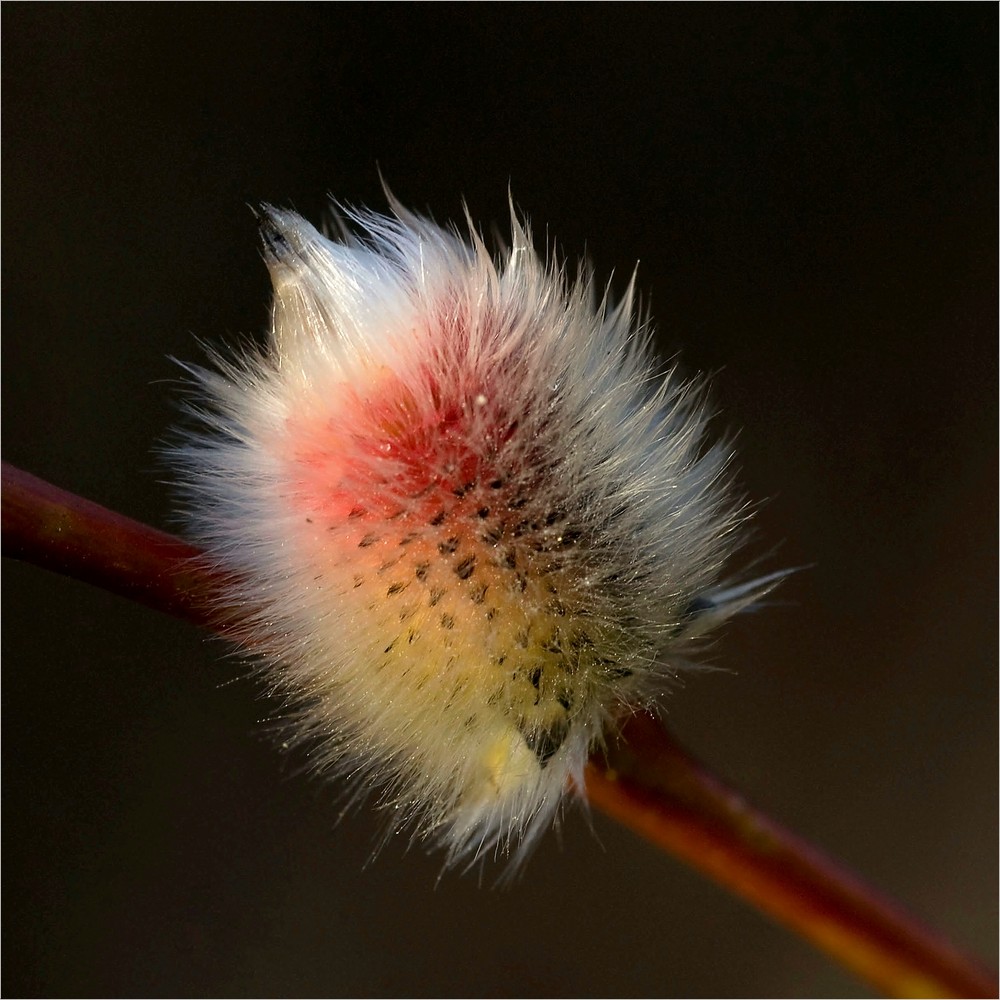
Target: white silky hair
[464, 522]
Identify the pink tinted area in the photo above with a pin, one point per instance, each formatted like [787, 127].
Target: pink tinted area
[398, 449]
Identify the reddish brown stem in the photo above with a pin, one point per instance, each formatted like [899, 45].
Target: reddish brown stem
[61, 531]
[648, 782]
[653, 786]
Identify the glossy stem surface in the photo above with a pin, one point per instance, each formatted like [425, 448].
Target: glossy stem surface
[62, 532]
[653, 786]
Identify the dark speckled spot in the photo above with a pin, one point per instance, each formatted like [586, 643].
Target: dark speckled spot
[612, 668]
[367, 541]
[466, 568]
[396, 588]
[421, 571]
[447, 622]
[438, 518]
[545, 743]
[436, 595]
[448, 546]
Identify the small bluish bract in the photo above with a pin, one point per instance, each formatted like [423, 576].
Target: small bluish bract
[467, 521]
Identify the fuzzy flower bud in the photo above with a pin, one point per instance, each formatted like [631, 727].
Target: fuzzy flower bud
[466, 522]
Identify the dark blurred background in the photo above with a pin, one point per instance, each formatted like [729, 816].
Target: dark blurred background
[810, 191]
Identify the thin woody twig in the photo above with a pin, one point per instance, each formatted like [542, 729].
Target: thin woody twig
[647, 782]
[653, 786]
[62, 532]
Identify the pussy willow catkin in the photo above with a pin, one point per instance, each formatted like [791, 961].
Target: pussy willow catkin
[466, 522]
